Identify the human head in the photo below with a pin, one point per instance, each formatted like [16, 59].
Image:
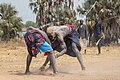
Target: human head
[30, 28]
[1, 15]
[44, 27]
[97, 20]
[81, 22]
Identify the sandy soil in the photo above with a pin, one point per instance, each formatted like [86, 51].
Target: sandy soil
[105, 66]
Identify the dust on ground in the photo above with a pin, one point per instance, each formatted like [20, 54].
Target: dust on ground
[105, 66]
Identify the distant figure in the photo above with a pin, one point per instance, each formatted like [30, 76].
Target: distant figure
[37, 41]
[83, 32]
[98, 34]
[19, 36]
[1, 16]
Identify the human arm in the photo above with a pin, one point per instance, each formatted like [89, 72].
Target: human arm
[62, 44]
[45, 37]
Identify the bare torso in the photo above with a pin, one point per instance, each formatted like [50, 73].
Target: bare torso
[62, 30]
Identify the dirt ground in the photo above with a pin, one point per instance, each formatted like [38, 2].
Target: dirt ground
[105, 66]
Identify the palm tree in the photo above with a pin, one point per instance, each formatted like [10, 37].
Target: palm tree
[9, 20]
[52, 11]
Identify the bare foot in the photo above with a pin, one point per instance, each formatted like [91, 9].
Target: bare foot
[98, 54]
[42, 68]
[83, 68]
[54, 74]
[27, 72]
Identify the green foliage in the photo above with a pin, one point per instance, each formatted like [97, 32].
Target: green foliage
[30, 23]
[100, 8]
[52, 11]
[80, 10]
[10, 22]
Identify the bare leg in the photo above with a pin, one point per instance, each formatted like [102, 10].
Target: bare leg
[99, 49]
[52, 61]
[44, 65]
[51, 58]
[78, 55]
[48, 59]
[85, 51]
[28, 61]
[56, 56]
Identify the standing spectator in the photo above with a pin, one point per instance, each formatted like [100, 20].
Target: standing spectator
[98, 34]
[83, 32]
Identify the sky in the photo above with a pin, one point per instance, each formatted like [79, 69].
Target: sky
[22, 6]
[76, 3]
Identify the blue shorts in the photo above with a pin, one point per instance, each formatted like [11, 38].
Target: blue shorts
[45, 47]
